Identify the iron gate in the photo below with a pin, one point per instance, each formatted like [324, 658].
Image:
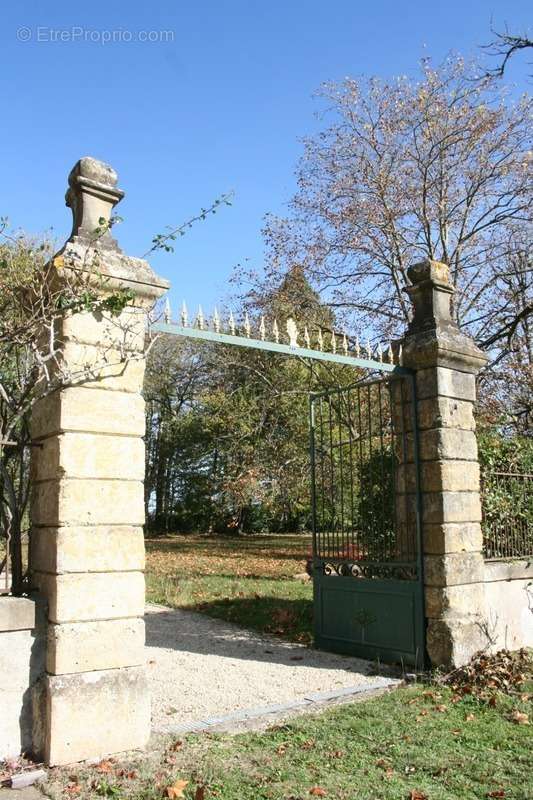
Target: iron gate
[367, 565]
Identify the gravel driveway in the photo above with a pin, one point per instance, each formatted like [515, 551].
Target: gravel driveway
[202, 670]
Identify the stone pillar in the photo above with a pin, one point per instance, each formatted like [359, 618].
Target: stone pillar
[87, 547]
[446, 362]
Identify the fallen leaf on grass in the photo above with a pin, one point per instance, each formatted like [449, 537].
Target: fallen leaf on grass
[129, 774]
[441, 708]
[417, 795]
[106, 765]
[496, 793]
[199, 793]
[470, 717]
[176, 790]
[520, 718]
[318, 791]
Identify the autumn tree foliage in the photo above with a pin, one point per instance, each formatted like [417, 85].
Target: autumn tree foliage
[434, 167]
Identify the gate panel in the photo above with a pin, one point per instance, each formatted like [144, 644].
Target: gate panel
[366, 521]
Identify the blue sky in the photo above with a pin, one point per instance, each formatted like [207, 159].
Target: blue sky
[219, 107]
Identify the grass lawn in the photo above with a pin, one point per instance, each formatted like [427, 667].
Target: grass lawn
[248, 580]
[414, 743]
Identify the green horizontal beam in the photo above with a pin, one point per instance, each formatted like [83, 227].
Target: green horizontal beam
[274, 347]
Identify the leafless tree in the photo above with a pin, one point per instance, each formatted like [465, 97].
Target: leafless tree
[504, 46]
[438, 167]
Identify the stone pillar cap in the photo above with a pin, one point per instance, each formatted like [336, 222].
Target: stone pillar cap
[435, 272]
[433, 337]
[92, 195]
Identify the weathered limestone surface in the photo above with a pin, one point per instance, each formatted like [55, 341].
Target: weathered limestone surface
[92, 595]
[96, 713]
[83, 455]
[509, 604]
[446, 363]
[116, 413]
[22, 663]
[94, 501]
[87, 646]
[102, 548]
[87, 549]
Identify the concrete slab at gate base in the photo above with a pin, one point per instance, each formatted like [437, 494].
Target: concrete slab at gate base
[92, 714]
[22, 663]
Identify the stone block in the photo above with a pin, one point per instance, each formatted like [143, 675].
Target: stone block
[126, 331]
[449, 476]
[452, 643]
[87, 502]
[17, 614]
[101, 368]
[22, 663]
[445, 382]
[94, 714]
[88, 455]
[451, 507]
[90, 411]
[452, 537]
[79, 597]
[444, 507]
[455, 601]
[105, 548]
[448, 443]
[453, 569]
[446, 412]
[85, 646]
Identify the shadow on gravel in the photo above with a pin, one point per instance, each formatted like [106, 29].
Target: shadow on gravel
[190, 632]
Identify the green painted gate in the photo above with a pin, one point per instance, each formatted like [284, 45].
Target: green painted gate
[367, 566]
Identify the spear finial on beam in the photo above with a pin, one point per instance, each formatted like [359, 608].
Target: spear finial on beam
[292, 332]
[200, 318]
[168, 312]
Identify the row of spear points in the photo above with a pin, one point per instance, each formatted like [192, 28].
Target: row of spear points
[326, 340]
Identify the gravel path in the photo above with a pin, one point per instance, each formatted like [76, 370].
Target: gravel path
[202, 669]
